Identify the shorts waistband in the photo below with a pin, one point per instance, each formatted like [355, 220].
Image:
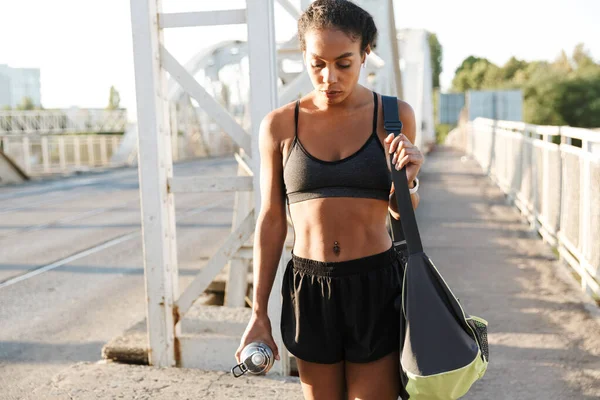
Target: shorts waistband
[345, 268]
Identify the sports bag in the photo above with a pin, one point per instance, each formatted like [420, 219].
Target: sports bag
[443, 349]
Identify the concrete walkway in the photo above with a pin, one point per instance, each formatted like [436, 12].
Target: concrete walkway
[544, 333]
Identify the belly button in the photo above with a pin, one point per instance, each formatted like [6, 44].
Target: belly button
[336, 248]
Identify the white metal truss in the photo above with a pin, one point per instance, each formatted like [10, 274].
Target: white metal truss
[155, 168]
[166, 305]
[152, 60]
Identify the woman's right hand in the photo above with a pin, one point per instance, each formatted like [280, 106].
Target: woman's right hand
[258, 330]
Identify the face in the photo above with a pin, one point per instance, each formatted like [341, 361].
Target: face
[333, 62]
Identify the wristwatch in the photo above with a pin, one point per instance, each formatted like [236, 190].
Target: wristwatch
[414, 190]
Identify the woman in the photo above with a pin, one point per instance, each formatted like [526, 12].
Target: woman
[328, 154]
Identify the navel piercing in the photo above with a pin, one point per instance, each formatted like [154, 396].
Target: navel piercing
[336, 248]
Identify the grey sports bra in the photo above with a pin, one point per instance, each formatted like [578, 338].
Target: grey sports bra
[364, 174]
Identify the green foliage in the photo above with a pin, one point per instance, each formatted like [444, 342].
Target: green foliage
[468, 63]
[26, 104]
[563, 92]
[511, 67]
[441, 132]
[475, 74]
[436, 51]
[577, 100]
[114, 99]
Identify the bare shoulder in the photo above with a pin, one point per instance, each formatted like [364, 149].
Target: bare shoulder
[405, 111]
[278, 125]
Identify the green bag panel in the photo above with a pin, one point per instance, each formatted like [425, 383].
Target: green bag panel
[449, 385]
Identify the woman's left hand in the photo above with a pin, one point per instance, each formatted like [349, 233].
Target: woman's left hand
[405, 154]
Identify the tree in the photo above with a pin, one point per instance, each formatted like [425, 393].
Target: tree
[582, 58]
[510, 69]
[476, 73]
[26, 104]
[114, 99]
[436, 51]
[562, 63]
[468, 63]
[577, 100]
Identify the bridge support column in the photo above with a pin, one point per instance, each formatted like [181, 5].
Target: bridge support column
[155, 168]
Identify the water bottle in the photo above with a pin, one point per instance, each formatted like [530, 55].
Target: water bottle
[257, 358]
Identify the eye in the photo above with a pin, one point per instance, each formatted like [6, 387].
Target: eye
[343, 66]
[317, 66]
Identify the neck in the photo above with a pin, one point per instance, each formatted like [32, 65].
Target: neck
[350, 102]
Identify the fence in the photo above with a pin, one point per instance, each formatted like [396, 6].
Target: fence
[63, 121]
[49, 154]
[553, 176]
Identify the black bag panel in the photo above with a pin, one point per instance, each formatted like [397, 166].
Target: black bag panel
[451, 300]
[433, 343]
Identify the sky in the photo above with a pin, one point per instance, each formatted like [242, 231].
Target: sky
[83, 47]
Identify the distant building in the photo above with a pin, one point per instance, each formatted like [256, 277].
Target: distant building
[504, 105]
[17, 83]
[449, 107]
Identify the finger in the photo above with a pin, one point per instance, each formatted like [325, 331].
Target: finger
[395, 144]
[389, 138]
[401, 153]
[411, 150]
[402, 163]
[397, 147]
[275, 350]
[406, 140]
[398, 154]
[412, 159]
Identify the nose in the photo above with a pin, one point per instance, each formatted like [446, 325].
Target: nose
[329, 75]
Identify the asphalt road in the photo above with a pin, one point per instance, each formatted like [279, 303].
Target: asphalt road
[71, 269]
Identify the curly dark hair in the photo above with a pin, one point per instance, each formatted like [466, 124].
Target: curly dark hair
[338, 14]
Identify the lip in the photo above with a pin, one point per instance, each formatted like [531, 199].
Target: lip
[331, 93]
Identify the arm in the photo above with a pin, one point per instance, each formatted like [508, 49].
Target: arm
[271, 224]
[269, 235]
[406, 154]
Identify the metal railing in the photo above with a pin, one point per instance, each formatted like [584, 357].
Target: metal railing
[74, 120]
[39, 155]
[552, 174]
[50, 154]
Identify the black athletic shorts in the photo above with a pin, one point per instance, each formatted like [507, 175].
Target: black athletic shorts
[348, 310]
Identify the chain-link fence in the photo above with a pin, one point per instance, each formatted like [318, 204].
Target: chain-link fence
[553, 176]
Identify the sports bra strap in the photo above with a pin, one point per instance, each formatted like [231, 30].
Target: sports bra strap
[376, 104]
[296, 117]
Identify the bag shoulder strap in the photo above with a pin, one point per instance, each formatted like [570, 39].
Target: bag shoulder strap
[408, 225]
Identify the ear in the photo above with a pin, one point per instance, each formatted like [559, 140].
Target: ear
[366, 52]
